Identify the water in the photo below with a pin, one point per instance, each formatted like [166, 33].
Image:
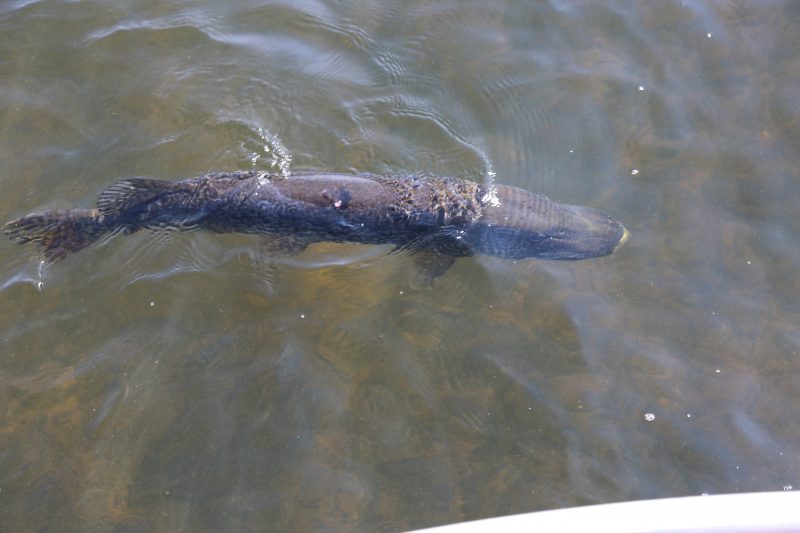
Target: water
[186, 383]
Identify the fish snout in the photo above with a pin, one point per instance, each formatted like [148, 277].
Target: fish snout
[622, 240]
[586, 232]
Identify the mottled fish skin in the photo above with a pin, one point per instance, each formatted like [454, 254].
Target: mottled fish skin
[449, 216]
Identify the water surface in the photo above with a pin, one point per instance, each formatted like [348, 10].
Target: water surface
[186, 383]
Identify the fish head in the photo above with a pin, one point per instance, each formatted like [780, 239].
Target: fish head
[581, 233]
[523, 224]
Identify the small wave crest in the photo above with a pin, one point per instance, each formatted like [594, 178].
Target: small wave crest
[271, 149]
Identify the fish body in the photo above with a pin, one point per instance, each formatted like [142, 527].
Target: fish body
[450, 217]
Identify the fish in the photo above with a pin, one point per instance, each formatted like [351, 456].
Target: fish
[437, 218]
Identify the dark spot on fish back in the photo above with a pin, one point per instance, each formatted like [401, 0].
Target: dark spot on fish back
[343, 199]
[340, 200]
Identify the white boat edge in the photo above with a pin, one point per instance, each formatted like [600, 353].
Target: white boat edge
[747, 512]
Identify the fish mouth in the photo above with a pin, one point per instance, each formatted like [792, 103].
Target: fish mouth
[622, 240]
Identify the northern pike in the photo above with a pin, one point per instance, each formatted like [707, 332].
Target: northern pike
[443, 217]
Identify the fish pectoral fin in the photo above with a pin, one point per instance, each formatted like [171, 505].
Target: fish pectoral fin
[453, 246]
[446, 240]
[283, 245]
[415, 245]
[430, 264]
[434, 253]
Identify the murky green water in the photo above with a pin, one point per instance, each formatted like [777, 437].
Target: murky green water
[183, 384]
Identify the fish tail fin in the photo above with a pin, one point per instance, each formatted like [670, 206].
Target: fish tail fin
[59, 232]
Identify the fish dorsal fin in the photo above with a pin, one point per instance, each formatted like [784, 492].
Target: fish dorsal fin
[126, 194]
